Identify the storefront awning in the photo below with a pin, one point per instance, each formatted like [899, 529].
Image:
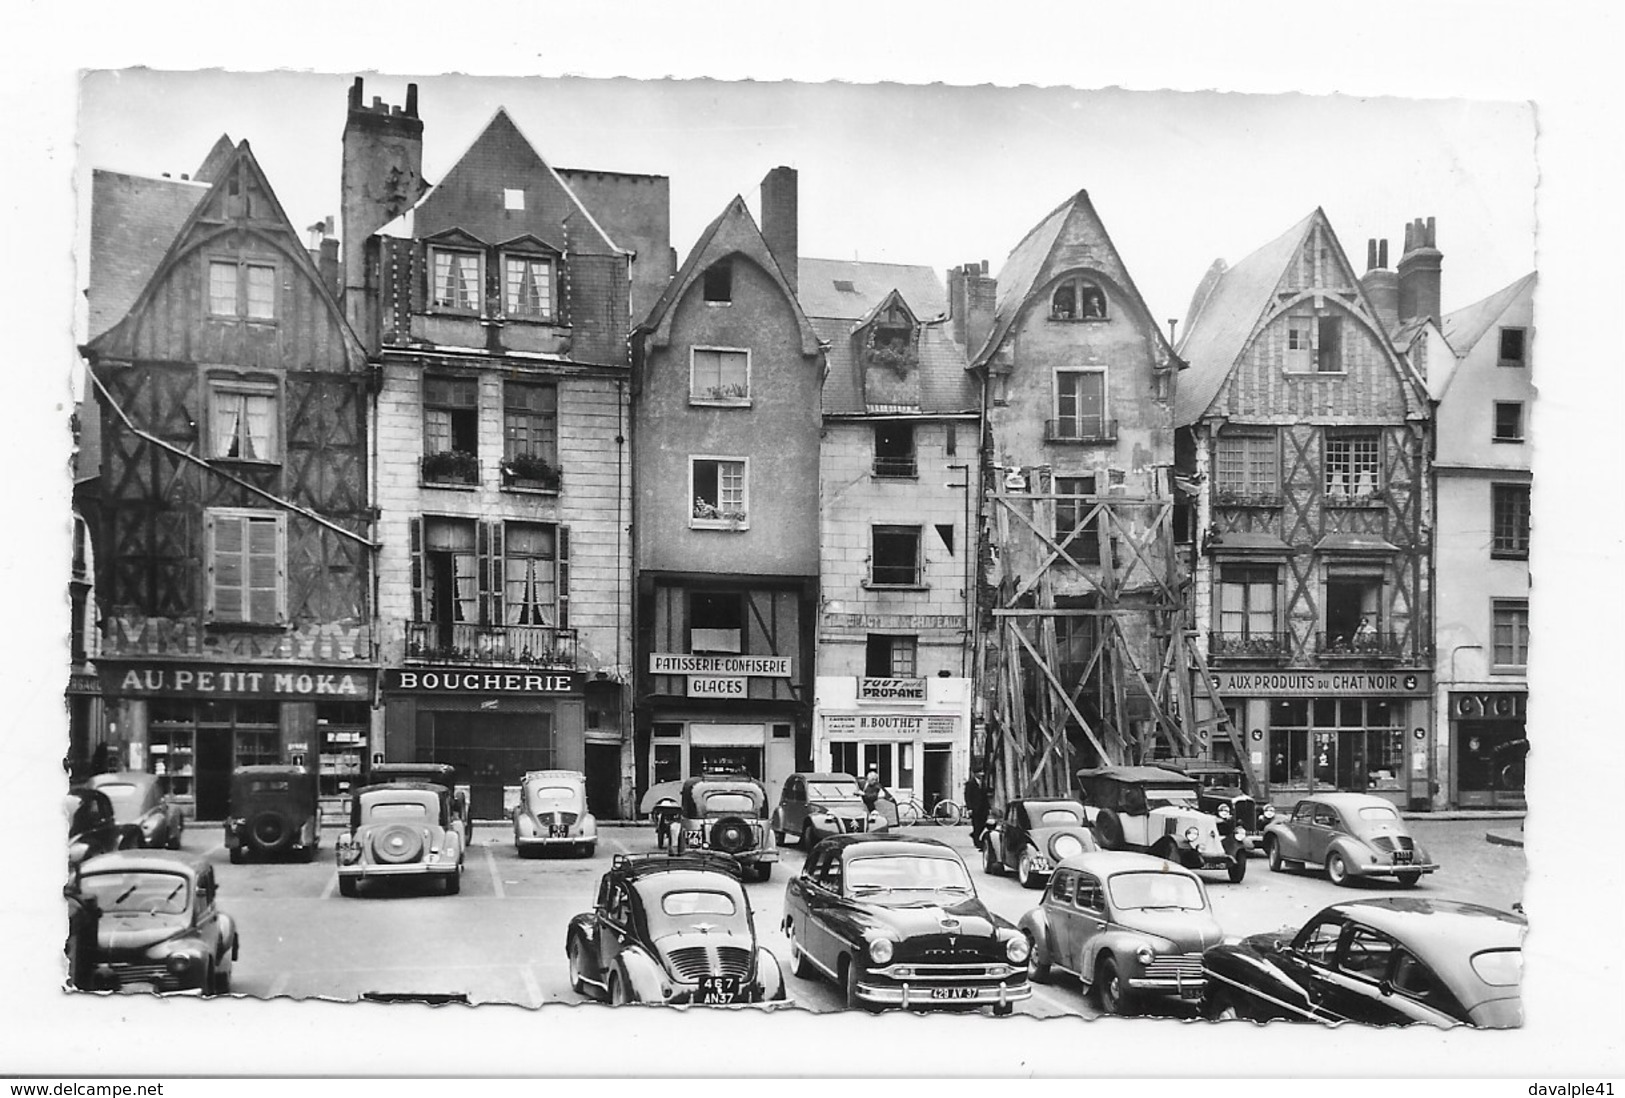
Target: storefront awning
[1354, 543]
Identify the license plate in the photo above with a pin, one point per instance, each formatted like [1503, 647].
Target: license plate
[560, 831]
[953, 993]
[718, 989]
[1404, 856]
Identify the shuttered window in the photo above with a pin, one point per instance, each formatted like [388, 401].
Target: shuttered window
[246, 554]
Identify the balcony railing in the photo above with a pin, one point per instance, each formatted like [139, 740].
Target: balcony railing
[1357, 645]
[1086, 429]
[491, 645]
[1249, 645]
[896, 467]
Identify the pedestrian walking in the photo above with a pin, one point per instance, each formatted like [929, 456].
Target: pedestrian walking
[976, 805]
[871, 789]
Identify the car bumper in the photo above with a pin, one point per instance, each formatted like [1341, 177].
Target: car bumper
[926, 995]
[414, 869]
[543, 842]
[1388, 869]
[1183, 987]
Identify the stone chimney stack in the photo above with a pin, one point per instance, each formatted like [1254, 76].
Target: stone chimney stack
[1381, 284]
[381, 177]
[780, 221]
[972, 296]
[1420, 272]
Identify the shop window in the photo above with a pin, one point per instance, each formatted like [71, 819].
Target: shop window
[1080, 405]
[843, 759]
[171, 743]
[876, 756]
[1514, 347]
[668, 761]
[1508, 421]
[243, 420]
[343, 730]
[894, 450]
[1247, 467]
[1341, 743]
[719, 375]
[530, 587]
[720, 489]
[456, 279]
[450, 430]
[1509, 506]
[1077, 299]
[1511, 630]
[716, 622]
[895, 556]
[1076, 518]
[241, 289]
[1353, 465]
[718, 283]
[887, 656]
[527, 286]
[245, 554]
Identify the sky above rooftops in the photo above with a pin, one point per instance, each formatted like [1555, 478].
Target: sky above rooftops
[933, 175]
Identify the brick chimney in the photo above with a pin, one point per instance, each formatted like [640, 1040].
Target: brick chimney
[780, 218]
[1381, 284]
[381, 177]
[972, 296]
[1420, 270]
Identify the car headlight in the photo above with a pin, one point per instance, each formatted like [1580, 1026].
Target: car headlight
[1224, 812]
[1241, 834]
[1145, 955]
[1193, 835]
[178, 963]
[148, 826]
[1017, 949]
[880, 950]
[1067, 845]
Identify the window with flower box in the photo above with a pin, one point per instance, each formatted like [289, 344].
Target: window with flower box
[530, 430]
[719, 488]
[719, 375]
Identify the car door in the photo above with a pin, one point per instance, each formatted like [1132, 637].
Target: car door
[1090, 919]
[1357, 985]
[1309, 964]
[1322, 829]
[811, 923]
[1295, 841]
[614, 926]
[792, 806]
[1015, 834]
[1060, 915]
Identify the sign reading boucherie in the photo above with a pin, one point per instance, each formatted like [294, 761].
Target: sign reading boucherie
[891, 690]
[419, 681]
[680, 663]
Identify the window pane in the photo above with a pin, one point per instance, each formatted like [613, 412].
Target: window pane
[223, 289]
[1510, 505]
[528, 286]
[261, 292]
[720, 375]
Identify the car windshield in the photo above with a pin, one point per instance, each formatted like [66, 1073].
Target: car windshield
[545, 798]
[398, 810]
[1165, 798]
[1379, 812]
[679, 904]
[730, 803]
[833, 791]
[897, 879]
[1148, 890]
[1057, 817]
[1499, 967]
[137, 892]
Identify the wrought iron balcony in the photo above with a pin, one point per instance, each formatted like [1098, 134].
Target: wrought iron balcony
[1352, 644]
[491, 645]
[1083, 429]
[896, 467]
[1251, 646]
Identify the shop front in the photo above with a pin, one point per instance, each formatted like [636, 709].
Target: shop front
[193, 722]
[492, 725]
[721, 712]
[915, 732]
[1315, 731]
[1488, 742]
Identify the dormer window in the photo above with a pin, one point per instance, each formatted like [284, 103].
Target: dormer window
[1077, 299]
[719, 283]
[891, 339]
[456, 279]
[527, 286]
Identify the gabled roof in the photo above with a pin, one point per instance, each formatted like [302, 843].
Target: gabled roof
[470, 198]
[1224, 320]
[732, 231]
[851, 289]
[133, 221]
[1029, 266]
[1466, 326]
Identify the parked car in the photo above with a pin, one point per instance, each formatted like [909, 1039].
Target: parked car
[552, 814]
[675, 929]
[436, 774]
[1154, 810]
[1033, 837]
[815, 806]
[92, 825]
[895, 921]
[141, 806]
[1351, 835]
[1127, 925]
[403, 829]
[273, 810]
[158, 928]
[728, 813]
[1398, 960]
[1222, 793]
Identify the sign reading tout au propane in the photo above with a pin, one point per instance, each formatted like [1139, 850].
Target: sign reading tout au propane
[891, 690]
[680, 663]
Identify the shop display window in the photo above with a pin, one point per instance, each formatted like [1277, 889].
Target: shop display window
[1338, 743]
[342, 728]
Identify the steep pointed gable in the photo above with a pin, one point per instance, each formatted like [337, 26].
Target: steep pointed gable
[215, 162]
[1466, 326]
[1045, 253]
[733, 231]
[239, 201]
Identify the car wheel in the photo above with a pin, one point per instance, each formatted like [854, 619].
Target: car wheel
[1025, 873]
[1114, 994]
[222, 980]
[991, 862]
[849, 980]
[1108, 830]
[454, 883]
[1037, 971]
[211, 983]
[809, 839]
[174, 839]
[271, 832]
[1337, 870]
[1217, 1007]
[1238, 868]
[1168, 852]
[764, 870]
[1272, 851]
[619, 993]
[347, 886]
[1408, 880]
[578, 967]
[589, 850]
[800, 967]
[309, 855]
[236, 855]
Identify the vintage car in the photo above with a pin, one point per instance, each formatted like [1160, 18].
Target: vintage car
[815, 806]
[158, 927]
[92, 825]
[1222, 793]
[1351, 835]
[1398, 960]
[1033, 836]
[675, 929]
[400, 830]
[1127, 925]
[141, 805]
[895, 920]
[552, 814]
[728, 813]
[435, 774]
[273, 810]
[1154, 810]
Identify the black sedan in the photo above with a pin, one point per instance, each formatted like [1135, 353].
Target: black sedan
[1391, 961]
[141, 805]
[895, 921]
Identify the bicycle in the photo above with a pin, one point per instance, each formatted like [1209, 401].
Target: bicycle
[944, 811]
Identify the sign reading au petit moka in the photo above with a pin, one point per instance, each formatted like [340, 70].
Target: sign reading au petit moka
[233, 681]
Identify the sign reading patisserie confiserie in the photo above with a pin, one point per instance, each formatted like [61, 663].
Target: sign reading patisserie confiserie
[681, 663]
[891, 690]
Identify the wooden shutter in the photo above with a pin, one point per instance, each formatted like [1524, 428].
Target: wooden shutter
[499, 576]
[210, 571]
[482, 568]
[414, 540]
[264, 578]
[562, 551]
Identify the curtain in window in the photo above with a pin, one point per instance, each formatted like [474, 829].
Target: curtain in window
[228, 415]
[262, 292]
[223, 289]
[436, 431]
[530, 593]
[720, 374]
[529, 287]
[1082, 402]
[456, 280]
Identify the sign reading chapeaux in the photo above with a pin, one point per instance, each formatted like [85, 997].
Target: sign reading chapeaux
[233, 681]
